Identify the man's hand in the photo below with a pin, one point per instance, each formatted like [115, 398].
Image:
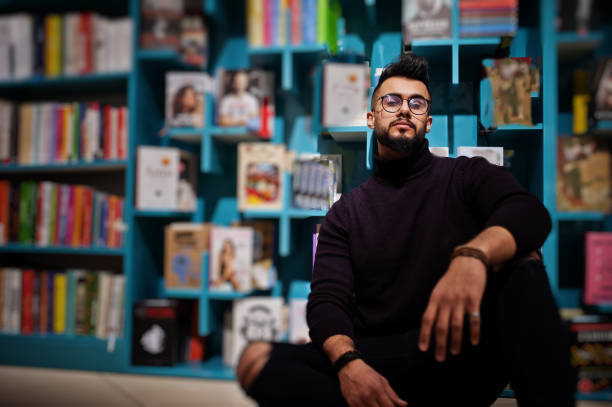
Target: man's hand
[459, 292]
[362, 386]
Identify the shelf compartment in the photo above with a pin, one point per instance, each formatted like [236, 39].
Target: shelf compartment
[210, 369]
[186, 134]
[95, 166]
[144, 213]
[61, 351]
[167, 57]
[29, 248]
[603, 127]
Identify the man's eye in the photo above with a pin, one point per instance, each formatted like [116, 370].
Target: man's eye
[392, 101]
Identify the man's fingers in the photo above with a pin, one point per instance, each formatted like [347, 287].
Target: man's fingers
[474, 317]
[394, 397]
[457, 329]
[427, 323]
[442, 333]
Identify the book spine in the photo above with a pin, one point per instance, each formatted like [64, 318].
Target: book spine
[267, 29]
[115, 313]
[91, 303]
[104, 222]
[5, 199]
[39, 214]
[87, 217]
[71, 277]
[53, 205]
[112, 207]
[27, 212]
[59, 303]
[104, 290]
[16, 293]
[107, 132]
[78, 215]
[76, 131]
[80, 303]
[95, 230]
[50, 301]
[27, 292]
[39, 45]
[67, 237]
[44, 301]
[36, 303]
[121, 142]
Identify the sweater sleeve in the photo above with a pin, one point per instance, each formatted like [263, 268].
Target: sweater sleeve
[329, 309]
[501, 201]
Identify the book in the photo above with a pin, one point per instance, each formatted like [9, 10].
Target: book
[246, 99]
[345, 94]
[590, 353]
[439, 151]
[160, 24]
[116, 312]
[263, 272]
[231, 259]
[494, 155]
[103, 303]
[157, 175]
[425, 20]
[80, 303]
[194, 41]
[512, 81]
[27, 294]
[583, 174]
[317, 180]
[59, 302]
[581, 16]
[185, 101]
[598, 268]
[254, 319]
[315, 241]
[603, 94]
[184, 245]
[260, 176]
[298, 327]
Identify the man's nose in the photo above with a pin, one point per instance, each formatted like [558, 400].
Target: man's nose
[405, 110]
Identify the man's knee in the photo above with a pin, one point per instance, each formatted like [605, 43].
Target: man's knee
[253, 359]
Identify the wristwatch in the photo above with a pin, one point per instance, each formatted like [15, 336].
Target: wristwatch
[346, 358]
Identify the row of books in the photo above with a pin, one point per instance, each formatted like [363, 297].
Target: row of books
[296, 22]
[52, 214]
[426, 20]
[169, 25]
[241, 257]
[53, 132]
[72, 301]
[488, 18]
[63, 44]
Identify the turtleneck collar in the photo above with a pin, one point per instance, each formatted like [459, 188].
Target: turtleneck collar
[403, 168]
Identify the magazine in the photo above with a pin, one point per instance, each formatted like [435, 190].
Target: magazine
[246, 99]
[260, 176]
[231, 259]
[185, 101]
[317, 181]
[425, 20]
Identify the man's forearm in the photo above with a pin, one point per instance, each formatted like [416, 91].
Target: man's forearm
[337, 345]
[496, 242]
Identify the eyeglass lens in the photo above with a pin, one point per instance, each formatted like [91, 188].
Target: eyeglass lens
[393, 103]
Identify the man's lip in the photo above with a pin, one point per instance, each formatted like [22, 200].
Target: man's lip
[407, 124]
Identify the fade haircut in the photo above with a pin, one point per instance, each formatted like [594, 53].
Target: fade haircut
[409, 66]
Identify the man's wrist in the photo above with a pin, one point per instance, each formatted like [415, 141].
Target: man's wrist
[470, 251]
[346, 358]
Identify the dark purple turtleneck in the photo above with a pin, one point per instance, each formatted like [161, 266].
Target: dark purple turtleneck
[389, 240]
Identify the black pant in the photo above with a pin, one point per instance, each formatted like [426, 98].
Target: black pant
[522, 342]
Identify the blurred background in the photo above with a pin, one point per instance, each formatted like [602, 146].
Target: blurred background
[164, 165]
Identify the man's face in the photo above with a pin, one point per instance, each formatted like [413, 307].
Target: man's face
[401, 131]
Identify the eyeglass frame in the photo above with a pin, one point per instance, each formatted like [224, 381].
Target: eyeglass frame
[408, 100]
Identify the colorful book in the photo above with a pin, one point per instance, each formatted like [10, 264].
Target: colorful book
[59, 302]
[231, 259]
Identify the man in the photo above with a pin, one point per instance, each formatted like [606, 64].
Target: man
[427, 289]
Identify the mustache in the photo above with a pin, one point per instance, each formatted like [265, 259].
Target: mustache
[402, 120]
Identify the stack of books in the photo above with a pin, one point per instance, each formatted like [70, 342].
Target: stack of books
[488, 18]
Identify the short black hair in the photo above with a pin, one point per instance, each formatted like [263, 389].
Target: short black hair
[409, 66]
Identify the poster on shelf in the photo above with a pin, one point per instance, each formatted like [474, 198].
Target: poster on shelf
[494, 155]
[231, 259]
[184, 244]
[160, 24]
[598, 268]
[345, 94]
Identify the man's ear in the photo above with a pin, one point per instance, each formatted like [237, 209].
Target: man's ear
[428, 124]
[370, 119]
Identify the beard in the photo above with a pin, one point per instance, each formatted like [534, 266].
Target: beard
[403, 143]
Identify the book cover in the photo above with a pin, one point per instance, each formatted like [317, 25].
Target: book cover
[157, 176]
[439, 151]
[160, 24]
[263, 272]
[494, 155]
[591, 353]
[255, 319]
[104, 292]
[603, 94]
[184, 245]
[317, 181]
[231, 259]
[185, 101]
[598, 268]
[345, 94]
[194, 41]
[260, 176]
[246, 99]
[425, 20]
[298, 327]
[583, 174]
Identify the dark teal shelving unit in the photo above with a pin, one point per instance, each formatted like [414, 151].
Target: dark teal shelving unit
[372, 32]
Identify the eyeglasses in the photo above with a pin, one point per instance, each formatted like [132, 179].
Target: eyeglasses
[392, 103]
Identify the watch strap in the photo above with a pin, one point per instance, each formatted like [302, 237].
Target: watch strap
[345, 358]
